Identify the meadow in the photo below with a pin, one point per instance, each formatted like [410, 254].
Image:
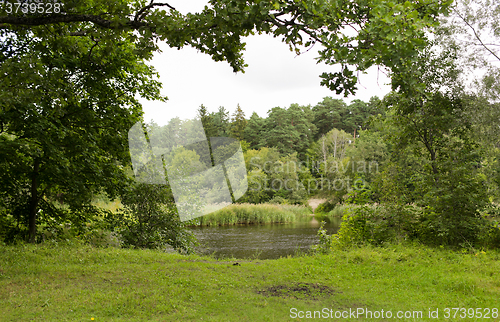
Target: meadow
[79, 283]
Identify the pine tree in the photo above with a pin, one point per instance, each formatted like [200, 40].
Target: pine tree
[238, 124]
[221, 121]
[290, 130]
[207, 121]
[253, 131]
[328, 115]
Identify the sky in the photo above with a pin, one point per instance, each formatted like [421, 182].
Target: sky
[275, 76]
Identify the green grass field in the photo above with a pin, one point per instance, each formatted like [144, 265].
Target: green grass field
[80, 283]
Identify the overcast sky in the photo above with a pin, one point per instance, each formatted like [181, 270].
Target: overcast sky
[275, 76]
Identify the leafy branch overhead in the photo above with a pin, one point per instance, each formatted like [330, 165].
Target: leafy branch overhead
[355, 34]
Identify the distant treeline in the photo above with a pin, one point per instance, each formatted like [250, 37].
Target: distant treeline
[291, 129]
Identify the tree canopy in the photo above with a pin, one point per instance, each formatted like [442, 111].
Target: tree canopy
[66, 106]
[359, 33]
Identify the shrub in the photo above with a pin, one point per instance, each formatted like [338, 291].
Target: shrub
[325, 241]
[150, 220]
[339, 211]
[278, 200]
[377, 225]
[489, 236]
[491, 210]
[325, 207]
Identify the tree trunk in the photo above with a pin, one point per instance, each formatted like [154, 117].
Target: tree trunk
[33, 202]
[335, 145]
[324, 151]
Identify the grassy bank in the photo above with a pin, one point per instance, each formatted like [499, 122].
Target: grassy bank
[254, 214]
[84, 284]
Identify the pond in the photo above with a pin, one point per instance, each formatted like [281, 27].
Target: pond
[268, 241]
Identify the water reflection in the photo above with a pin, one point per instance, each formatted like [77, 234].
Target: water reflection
[260, 241]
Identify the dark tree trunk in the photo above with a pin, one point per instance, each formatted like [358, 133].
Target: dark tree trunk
[33, 202]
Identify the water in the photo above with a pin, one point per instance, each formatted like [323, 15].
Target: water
[268, 241]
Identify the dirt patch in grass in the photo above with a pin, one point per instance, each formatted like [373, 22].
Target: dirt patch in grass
[299, 291]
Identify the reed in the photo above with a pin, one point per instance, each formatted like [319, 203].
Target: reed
[339, 211]
[253, 214]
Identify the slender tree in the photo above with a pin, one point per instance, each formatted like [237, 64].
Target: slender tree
[238, 124]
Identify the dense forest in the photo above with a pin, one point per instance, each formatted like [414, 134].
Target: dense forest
[292, 145]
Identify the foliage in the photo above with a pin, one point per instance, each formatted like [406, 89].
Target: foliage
[71, 81]
[324, 241]
[64, 132]
[339, 211]
[472, 26]
[272, 175]
[325, 207]
[206, 120]
[151, 221]
[361, 194]
[384, 33]
[370, 147]
[328, 115]
[335, 113]
[434, 158]
[221, 121]
[393, 223]
[491, 210]
[485, 131]
[238, 124]
[289, 130]
[449, 184]
[490, 234]
[378, 225]
[253, 131]
[334, 144]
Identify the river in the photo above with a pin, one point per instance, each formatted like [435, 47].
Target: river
[268, 241]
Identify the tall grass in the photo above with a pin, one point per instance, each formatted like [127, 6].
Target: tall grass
[253, 214]
[335, 213]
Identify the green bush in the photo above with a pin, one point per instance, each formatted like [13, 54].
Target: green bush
[325, 207]
[339, 211]
[489, 236]
[491, 210]
[10, 233]
[278, 200]
[325, 241]
[150, 220]
[376, 225]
